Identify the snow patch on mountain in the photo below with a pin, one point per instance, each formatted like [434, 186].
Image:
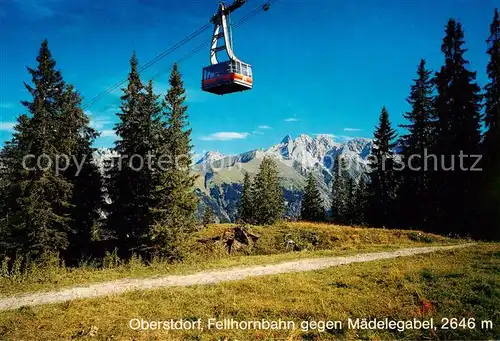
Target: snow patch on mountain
[210, 157]
[220, 177]
[296, 158]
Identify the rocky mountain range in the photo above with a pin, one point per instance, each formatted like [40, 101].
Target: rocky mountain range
[219, 183]
[220, 177]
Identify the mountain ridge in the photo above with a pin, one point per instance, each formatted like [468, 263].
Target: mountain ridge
[219, 183]
[220, 177]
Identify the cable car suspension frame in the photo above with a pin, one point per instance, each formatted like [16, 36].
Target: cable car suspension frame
[229, 76]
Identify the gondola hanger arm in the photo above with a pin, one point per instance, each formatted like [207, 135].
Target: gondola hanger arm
[223, 10]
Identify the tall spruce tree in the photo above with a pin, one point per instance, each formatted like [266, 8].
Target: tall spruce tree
[458, 104]
[414, 191]
[246, 209]
[75, 140]
[268, 197]
[129, 183]
[208, 216]
[312, 208]
[339, 191]
[36, 198]
[490, 147]
[350, 215]
[175, 202]
[156, 147]
[360, 201]
[382, 186]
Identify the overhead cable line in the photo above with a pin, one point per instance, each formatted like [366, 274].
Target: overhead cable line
[206, 44]
[176, 46]
[150, 63]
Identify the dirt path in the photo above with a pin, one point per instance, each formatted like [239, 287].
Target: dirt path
[206, 277]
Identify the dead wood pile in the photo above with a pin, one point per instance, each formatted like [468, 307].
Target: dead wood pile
[230, 236]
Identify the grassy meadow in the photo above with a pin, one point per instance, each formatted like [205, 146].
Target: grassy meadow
[332, 240]
[462, 283]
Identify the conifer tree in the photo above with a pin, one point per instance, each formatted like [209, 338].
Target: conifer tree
[490, 147]
[175, 203]
[312, 205]
[75, 140]
[268, 197]
[36, 199]
[246, 209]
[360, 202]
[156, 149]
[350, 215]
[129, 183]
[458, 133]
[382, 186]
[208, 216]
[339, 191]
[414, 191]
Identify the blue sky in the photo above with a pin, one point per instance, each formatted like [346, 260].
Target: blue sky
[320, 67]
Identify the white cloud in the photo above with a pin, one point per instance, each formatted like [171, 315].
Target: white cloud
[256, 132]
[329, 135]
[352, 129]
[7, 126]
[224, 136]
[113, 109]
[291, 119]
[97, 122]
[108, 133]
[6, 105]
[344, 138]
[337, 138]
[265, 127]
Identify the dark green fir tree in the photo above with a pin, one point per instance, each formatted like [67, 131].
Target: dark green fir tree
[312, 208]
[268, 198]
[350, 215]
[75, 139]
[490, 190]
[458, 104]
[339, 191]
[246, 209]
[414, 193]
[360, 202]
[175, 203]
[36, 200]
[208, 216]
[129, 183]
[382, 186]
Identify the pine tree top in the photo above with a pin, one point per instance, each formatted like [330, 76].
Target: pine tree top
[422, 110]
[453, 41]
[47, 80]
[492, 95]
[175, 95]
[384, 134]
[494, 45]
[494, 28]
[135, 84]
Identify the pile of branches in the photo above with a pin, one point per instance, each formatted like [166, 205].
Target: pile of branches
[230, 236]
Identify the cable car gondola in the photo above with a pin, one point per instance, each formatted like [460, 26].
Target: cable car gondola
[230, 76]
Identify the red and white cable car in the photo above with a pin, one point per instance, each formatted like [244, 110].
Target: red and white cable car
[229, 76]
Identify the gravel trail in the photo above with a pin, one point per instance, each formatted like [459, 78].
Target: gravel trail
[206, 277]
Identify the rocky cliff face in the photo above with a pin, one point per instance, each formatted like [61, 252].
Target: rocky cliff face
[220, 177]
